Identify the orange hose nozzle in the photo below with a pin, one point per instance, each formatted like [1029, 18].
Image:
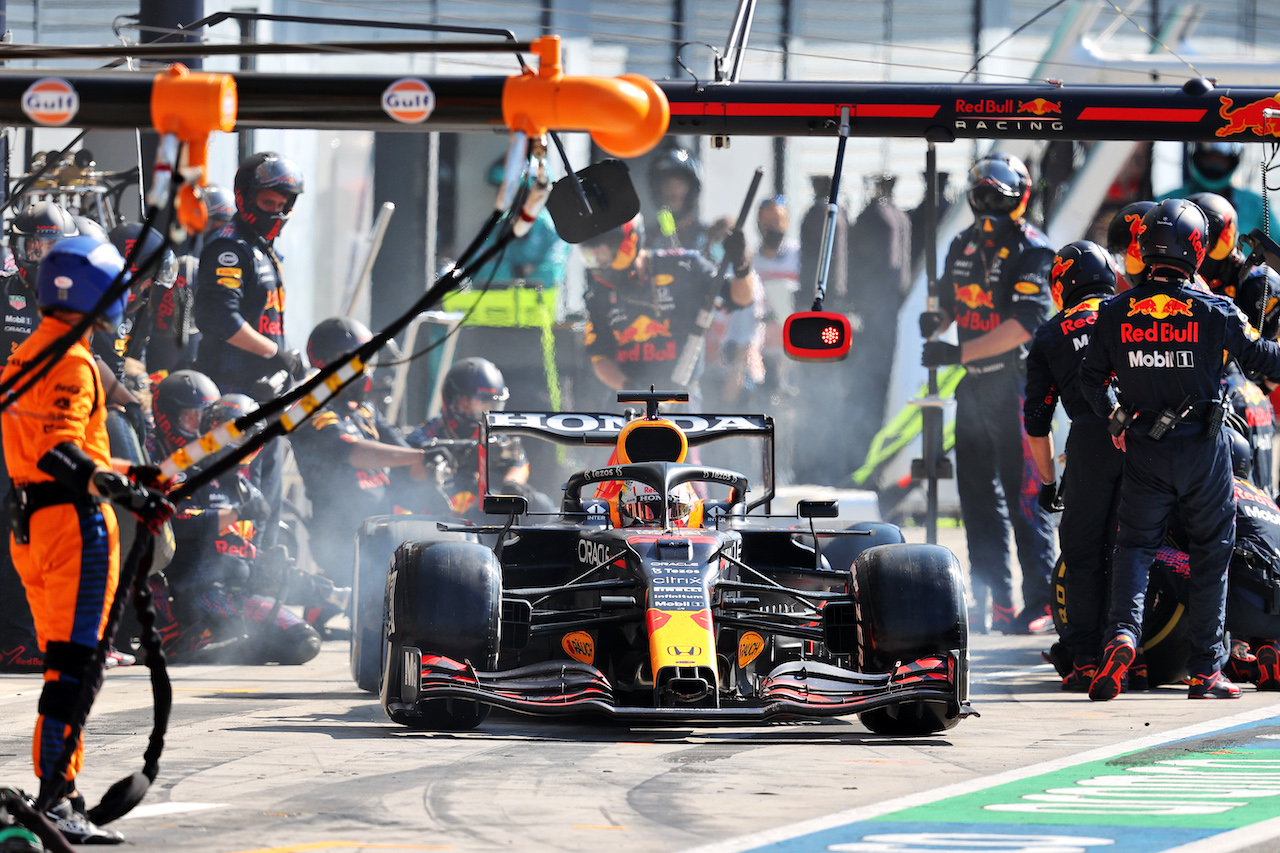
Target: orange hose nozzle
[626, 116]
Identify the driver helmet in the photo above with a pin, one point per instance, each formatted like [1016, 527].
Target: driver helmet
[1224, 232]
[34, 230]
[1122, 240]
[266, 170]
[472, 387]
[1079, 270]
[1175, 233]
[999, 189]
[179, 404]
[640, 505]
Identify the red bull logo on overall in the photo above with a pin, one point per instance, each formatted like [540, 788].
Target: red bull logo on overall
[643, 328]
[973, 296]
[1160, 307]
[1249, 118]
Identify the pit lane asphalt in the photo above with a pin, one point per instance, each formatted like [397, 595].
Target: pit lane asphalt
[297, 758]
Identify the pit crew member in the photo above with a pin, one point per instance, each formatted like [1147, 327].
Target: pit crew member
[996, 290]
[1164, 343]
[64, 538]
[1081, 277]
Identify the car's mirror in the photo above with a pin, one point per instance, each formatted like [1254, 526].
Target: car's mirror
[609, 193]
[505, 504]
[818, 509]
[817, 336]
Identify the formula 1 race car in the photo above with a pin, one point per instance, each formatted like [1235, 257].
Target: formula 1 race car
[659, 593]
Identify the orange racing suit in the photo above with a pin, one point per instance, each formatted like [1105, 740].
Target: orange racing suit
[70, 563]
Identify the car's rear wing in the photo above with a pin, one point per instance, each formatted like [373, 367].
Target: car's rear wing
[601, 429]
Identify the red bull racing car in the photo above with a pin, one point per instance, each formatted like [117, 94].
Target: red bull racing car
[659, 592]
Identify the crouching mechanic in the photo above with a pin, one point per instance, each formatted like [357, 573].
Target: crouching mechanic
[64, 538]
[1081, 276]
[217, 601]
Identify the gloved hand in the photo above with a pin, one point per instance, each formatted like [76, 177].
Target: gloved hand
[290, 360]
[151, 509]
[930, 323]
[1050, 499]
[939, 353]
[253, 505]
[148, 475]
[735, 252]
[269, 387]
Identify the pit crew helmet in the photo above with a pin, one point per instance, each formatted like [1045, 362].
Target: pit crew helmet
[999, 188]
[1241, 453]
[76, 273]
[1080, 269]
[1175, 233]
[1122, 240]
[682, 164]
[473, 378]
[34, 230]
[90, 228]
[640, 505]
[1224, 232]
[334, 338]
[221, 205]
[1212, 164]
[152, 260]
[612, 255]
[179, 405]
[266, 170]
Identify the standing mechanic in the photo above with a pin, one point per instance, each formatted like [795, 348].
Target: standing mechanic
[239, 303]
[64, 540]
[642, 305]
[997, 282]
[1163, 342]
[1081, 277]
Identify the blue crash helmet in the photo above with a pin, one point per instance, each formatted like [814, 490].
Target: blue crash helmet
[76, 273]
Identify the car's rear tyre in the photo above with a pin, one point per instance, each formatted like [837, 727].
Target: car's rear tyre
[911, 603]
[443, 598]
[376, 541]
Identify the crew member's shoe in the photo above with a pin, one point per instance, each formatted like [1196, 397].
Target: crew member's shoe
[1080, 677]
[1061, 658]
[70, 818]
[116, 658]
[1002, 617]
[1241, 666]
[21, 657]
[1032, 620]
[1269, 666]
[1215, 685]
[1136, 677]
[1116, 658]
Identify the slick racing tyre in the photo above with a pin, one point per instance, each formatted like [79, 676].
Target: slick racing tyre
[443, 598]
[911, 604]
[376, 541]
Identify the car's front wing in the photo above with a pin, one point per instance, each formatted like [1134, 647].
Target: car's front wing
[796, 689]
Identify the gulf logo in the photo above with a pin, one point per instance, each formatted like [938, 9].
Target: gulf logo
[50, 101]
[409, 100]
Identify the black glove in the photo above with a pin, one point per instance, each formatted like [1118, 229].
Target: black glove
[151, 509]
[253, 504]
[269, 387]
[290, 360]
[939, 353]
[1050, 499]
[147, 475]
[930, 323]
[735, 252]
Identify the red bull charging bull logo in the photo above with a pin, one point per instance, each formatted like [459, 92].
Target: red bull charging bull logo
[973, 296]
[644, 328]
[1249, 118]
[1160, 306]
[1040, 107]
